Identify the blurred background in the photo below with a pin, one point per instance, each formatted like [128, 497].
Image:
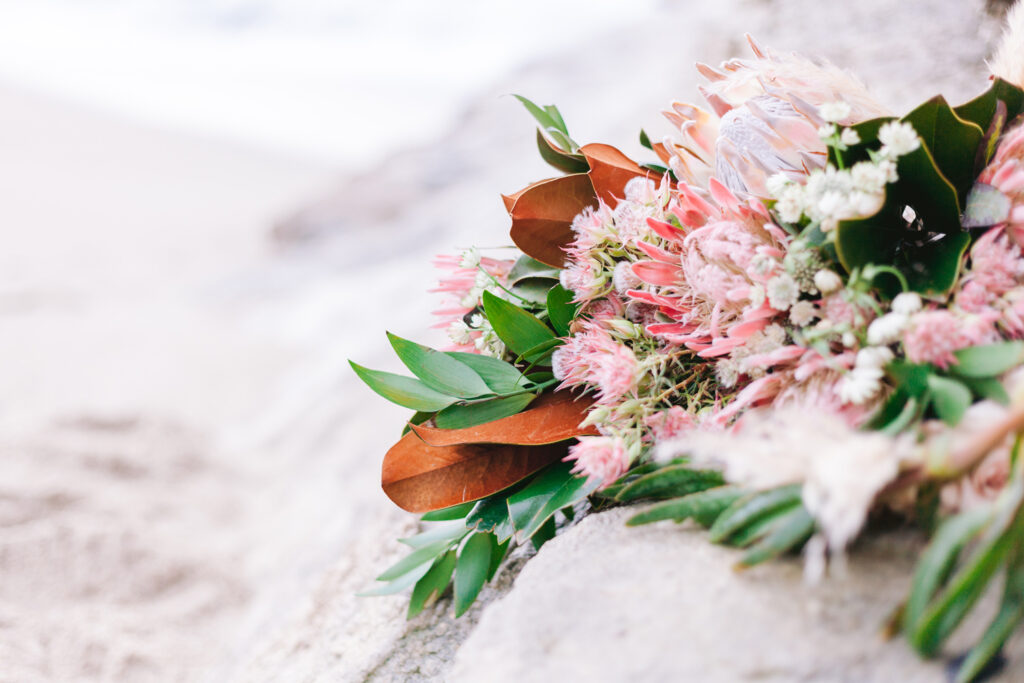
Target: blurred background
[208, 206]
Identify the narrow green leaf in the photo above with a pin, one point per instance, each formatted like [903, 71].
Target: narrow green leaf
[544, 534]
[438, 370]
[460, 416]
[400, 584]
[1010, 615]
[519, 329]
[788, 532]
[559, 158]
[405, 391]
[556, 117]
[541, 116]
[444, 514]
[703, 507]
[561, 309]
[909, 411]
[501, 377]
[988, 387]
[471, 571]
[432, 585]
[991, 360]
[415, 559]
[450, 531]
[751, 508]
[498, 551]
[645, 141]
[670, 482]
[418, 418]
[488, 514]
[950, 398]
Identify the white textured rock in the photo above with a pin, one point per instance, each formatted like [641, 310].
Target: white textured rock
[605, 602]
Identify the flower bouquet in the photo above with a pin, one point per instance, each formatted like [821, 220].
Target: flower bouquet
[802, 313]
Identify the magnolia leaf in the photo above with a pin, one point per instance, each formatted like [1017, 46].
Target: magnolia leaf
[445, 514]
[462, 415]
[982, 109]
[951, 140]
[471, 570]
[703, 507]
[501, 377]
[491, 514]
[751, 508]
[519, 329]
[561, 309]
[558, 158]
[405, 391]
[610, 170]
[526, 267]
[552, 418]
[543, 212]
[950, 398]
[670, 482]
[432, 585]
[432, 468]
[438, 370]
[552, 490]
[990, 360]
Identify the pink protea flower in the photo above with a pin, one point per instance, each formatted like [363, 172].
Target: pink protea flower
[933, 336]
[765, 119]
[600, 458]
[997, 198]
[463, 286]
[996, 263]
[669, 424]
[591, 357]
[615, 373]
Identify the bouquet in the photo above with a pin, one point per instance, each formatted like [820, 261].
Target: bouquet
[802, 312]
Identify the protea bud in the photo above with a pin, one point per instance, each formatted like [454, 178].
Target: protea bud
[765, 119]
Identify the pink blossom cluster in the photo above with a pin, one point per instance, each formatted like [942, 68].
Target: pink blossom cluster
[467, 276]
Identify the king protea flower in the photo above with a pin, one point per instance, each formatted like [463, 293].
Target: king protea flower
[998, 196]
[764, 119]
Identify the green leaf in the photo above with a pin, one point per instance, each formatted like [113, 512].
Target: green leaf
[432, 585]
[519, 329]
[450, 531]
[670, 482]
[544, 534]
[471, 571]
[990, 360]
[400, 584]
[438, 370]
[541, 353]
[938, 560]
[645, 141]
[787, 533]
[405, 391]
[910, 410]
[444, 514]
[490, 514]
[1010, 615]
[460, 416]
[534, 289]
[415, 559]
[751, 508]
[559, 158]
[498, 551]
[526, 267]
[418, 418]
[551, 121]
[703, 507]
[908, 377]
[951, 140]
[950, 398]
[501, 377]
[561, 309]
[988, 388]
[556, 117]
[554, 488]
[982, 108]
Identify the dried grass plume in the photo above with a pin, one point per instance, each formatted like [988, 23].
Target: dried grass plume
[1008, 62]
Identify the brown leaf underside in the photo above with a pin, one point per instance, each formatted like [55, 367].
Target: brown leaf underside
[542, 215]
[610, 170]
[467, 464]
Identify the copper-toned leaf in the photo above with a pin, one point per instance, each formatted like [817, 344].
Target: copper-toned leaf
[467, 464]
[552, 417]
[662, 153]
[542, 215]
[610, 170]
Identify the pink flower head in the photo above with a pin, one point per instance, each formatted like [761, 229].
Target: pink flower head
[1006, 173]
[996, 263]
[601, 458]
[591, 357]
[614, 373]
[933, 336]
[669, 424]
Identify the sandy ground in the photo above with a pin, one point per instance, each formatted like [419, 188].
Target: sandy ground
[184, 451]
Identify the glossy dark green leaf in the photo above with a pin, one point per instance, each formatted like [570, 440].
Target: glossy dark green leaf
[438, 370]
[534, 290]
[454, 512]
[519, 329]
[471, 571]
[982, 108]
[501, 377]
[703, 507]
[787, 533]
[950, 397]
[544, 534]
[432, 585]
[645, 141]
[990, 360]
[554, 488]
[908, 377]
[751, 508]
[407, 392]
[418, 418]
[526, 267]
[488, 514]
[561, 309]
[499, 549]
[670, 482]
[951, 140]
[460, 416]
[910, 410]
